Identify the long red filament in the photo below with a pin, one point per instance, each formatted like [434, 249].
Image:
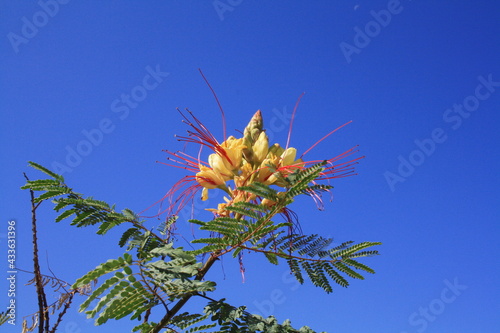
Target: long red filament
[293, 118]
[218, 103]
[323, 138]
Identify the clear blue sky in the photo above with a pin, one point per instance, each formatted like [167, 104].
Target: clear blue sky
[419, 79]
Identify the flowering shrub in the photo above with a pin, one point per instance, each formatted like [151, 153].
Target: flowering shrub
[260, 181]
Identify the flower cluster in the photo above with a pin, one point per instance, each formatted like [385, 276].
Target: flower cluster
[241, 161]
[245, 160]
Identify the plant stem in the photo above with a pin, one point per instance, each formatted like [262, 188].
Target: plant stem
[42, 299]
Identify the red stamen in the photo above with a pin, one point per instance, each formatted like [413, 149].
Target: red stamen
[201, 132]
[218, 103]
[203, 136]
[293, 117]
[323, 138]
[184, 162]
[182, 199]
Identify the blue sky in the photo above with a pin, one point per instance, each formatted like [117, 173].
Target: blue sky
[91, 88]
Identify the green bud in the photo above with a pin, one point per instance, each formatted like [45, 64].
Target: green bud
[254, 127]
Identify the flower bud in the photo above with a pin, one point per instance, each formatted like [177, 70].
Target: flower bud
[254, 127]
[260, 148]
[288, 156]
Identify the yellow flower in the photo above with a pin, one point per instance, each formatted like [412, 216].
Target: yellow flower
[208, 178]
[243, 160]
[236, 196]
[220, 211]
[266, 175]
[217, 163]
[231, 152]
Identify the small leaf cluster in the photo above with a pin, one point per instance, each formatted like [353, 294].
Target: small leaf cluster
[138, 285]
[237, 319]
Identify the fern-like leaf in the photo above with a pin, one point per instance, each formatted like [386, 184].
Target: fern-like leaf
[54, 175]
[127, 235]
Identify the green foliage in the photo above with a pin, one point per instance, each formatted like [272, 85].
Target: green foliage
[254, 230]
[254, 222]
[261, 190]
[138, 285]
[299, 180]
[237, 319]
[54, 175]
[309, 254]
[153, 274]
[186, 320]
[85, 211]
[131, 233]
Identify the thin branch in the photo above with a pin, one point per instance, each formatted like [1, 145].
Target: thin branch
[205, 296]
[53, 275]
[61, 282]
[42, 299]
[152, 290]
[63, 312]
[289, 256]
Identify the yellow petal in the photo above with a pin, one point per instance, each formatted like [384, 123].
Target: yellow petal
[217, 163]
[288, 156]
[208, 178]
[204, 194]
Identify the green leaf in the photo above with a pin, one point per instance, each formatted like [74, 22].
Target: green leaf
[261, 190]
[335, 276]
[48, 195]
[243, 211]
[66, 214]
[358, 265]
[46, 171]
[271, 257]
[103, 269]
[106, 226]
[130, 233]
[345, 269]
